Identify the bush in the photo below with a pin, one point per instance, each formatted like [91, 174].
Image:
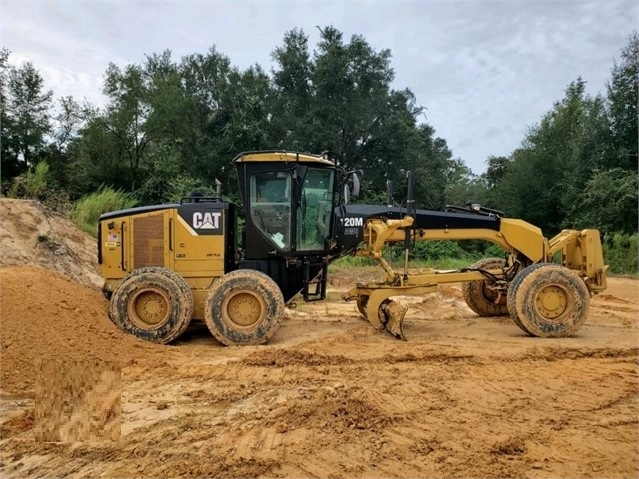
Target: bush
[33, 184]
[467, 250]
[621, 253]
[36, 184]
[87, 210]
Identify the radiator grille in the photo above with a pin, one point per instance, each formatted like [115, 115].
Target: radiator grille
[148, 245]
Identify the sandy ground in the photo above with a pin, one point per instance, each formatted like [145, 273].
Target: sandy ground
[328, 396]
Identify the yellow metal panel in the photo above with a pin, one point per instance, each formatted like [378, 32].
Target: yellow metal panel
[524, 237]
[281, 156]
[196, 255]
[134, 242]
[112, 247]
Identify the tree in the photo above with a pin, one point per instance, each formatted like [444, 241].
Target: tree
[433, 170]
[609, 202]
[547, 174]
[96, 157]
[622, 100]
[9, 164]
[339, 98]
[496, 170]
[293, 93]
[25, 116]
[463, 186]
[126, 115]
[66, 125]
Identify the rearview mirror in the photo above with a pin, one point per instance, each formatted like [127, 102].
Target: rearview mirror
[356, 185]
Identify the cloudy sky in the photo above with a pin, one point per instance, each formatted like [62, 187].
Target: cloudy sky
[486, 71]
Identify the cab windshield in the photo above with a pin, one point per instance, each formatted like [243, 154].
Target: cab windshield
[314, 210]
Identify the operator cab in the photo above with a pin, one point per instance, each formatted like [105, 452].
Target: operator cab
[288, 200]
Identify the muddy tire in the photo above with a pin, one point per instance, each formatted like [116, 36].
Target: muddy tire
[548, 300]
[244, 307]
[479, 297]
[152, 303]
[512, 288]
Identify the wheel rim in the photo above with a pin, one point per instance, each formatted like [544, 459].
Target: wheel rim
[149, 309]
[244, 309]
[551, 301]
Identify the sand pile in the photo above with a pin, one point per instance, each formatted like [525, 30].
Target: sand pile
[51, 307]
[47, 317]
[30, 234]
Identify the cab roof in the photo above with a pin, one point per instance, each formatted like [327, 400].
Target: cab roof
[284, 156]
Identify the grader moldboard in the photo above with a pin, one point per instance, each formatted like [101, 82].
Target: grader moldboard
[165, 265]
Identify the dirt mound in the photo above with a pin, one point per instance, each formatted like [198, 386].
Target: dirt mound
[46, 316]
[30, 234]
[333, 408]
[77, 401]
[284, 358]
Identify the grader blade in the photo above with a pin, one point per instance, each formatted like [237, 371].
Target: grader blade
[393, 317]
[374, 303]
[384, 313]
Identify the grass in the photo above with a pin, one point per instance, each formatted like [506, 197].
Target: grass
[349, 262]
[31, 184]
[87, 210]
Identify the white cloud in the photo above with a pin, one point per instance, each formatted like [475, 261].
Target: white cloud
[486, 71]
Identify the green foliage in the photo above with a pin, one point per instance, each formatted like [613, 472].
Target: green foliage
[340, 98]
[24, 116]
[66, 125]
[87, 210]
[449, 252]
[427, 254]
[621, 253]
[33, 184]
[609, 202]
[547, 174]
[622, 100]
[353, 262]
[468, 251]
[433, 250]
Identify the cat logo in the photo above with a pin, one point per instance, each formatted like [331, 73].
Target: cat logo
[206, 221]
[201, 221]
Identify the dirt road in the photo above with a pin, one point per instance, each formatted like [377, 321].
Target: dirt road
[328, 397]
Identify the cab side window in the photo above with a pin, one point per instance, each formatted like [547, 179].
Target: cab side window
[270, 208]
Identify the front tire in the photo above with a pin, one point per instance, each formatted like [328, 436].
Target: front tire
[244, 307]
[152, 303]
[479, 297]
[548, 300]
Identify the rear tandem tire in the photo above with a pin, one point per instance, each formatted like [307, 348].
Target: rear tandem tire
[152, 303]
[548, 300]
[244, 307]
[477, 295]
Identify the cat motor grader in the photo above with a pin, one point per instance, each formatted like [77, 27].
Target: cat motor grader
[165, 265]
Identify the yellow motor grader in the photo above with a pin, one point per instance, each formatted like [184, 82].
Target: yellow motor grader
[165, 265]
